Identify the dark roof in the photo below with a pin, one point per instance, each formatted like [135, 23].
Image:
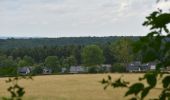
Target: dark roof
[135, 63]
[23, 69]
[132, 67]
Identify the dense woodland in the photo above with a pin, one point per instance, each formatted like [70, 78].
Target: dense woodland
[64, 52]
[7, 43]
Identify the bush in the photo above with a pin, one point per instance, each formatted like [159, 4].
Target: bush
[37, 70]
[93, 69]
[118, 68]
[8, 71]
[55, 69]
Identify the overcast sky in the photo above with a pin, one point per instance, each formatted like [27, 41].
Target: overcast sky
[64, 18]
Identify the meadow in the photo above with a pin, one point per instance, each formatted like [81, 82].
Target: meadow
[72, 87]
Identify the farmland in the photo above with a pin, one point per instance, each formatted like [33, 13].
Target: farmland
[72, 87]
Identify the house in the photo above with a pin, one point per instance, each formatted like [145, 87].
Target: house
[152, 66]
[144, 67]
[137, 66]
[168, 68]
[46, 71]
[24, 70]
[63, 70]
[106, 67]
[77, 69]
[134, 67]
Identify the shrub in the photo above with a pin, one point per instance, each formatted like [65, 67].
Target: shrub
[8, 71]
[37, 70]
[118, 68]
[93, 69]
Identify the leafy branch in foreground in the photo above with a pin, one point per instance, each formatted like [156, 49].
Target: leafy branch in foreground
[139, 90]
[16, 91]
[155, 47]
[118, 83]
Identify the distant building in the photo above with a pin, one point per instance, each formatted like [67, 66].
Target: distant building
[144, 67]
[137, 66]
[77, 69]
[168, 68]
[46, 71]
[152, 66]
[24, 70]
[63, 70]
[134, 67]
[106, 67]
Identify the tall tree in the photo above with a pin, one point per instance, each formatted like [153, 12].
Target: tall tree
[26, 61]
[108, 54]
[29, 60]
[71, 60]
[122, 50]
[53, 63]
[92, 55]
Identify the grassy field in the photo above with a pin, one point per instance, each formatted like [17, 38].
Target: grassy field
[72, 87]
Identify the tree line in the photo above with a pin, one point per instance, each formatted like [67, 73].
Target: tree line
[63, 41]
[118, 52]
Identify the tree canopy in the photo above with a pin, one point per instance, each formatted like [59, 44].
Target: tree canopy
[52, 62]
[122, 50]
[92, 55]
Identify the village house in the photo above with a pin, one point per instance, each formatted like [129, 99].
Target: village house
[134, 67]
[78, 69]
[137, 66]
[106, 67]
[144, 67]
[63, 70]
[46, 71]
[24, 70]
[152, 66]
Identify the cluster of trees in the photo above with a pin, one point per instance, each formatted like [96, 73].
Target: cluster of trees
[64, 41]
[56, 57]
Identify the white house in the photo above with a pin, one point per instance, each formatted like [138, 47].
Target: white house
[63, 70]
[134, 67]
[24, 70]
[137, 66]
[152, 66]
[106, 67]
[77, 69]
[47, 70]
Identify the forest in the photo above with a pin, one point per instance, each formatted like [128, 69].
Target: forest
[7, 43]
[58, 53]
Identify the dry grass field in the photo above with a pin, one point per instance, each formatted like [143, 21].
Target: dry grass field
[72, 87]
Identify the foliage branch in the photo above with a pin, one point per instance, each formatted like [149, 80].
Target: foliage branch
[17, 92]
[155, 47]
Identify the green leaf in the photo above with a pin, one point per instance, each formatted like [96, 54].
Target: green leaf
[104, 81]
[145, 92]
[109, 77]
[166, 81]
[105, 87]
[151, 79]
[133, 98]
[119, 83]
[162, 96]
[149, 55]
[21, 92]
[135, 89]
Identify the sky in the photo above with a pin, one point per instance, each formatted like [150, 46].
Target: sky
[75, 18]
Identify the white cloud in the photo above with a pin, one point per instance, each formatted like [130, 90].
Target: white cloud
[73, 17]
[165, 5]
